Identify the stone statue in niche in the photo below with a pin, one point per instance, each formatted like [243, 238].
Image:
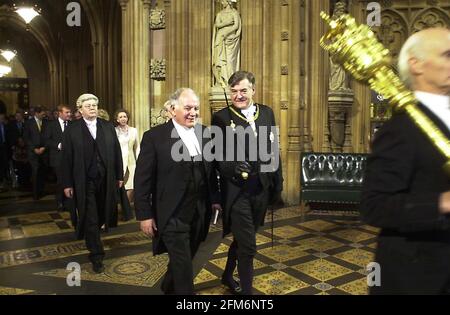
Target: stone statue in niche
[338, 76]
[226, 43]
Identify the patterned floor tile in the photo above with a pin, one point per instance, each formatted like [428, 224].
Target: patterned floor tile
[288, 231]
[41, 229]
[318, 243]
[277, 282]
[353, 235]
[373, 245]
[223, 248]
[322, 269]
[4, 234]
[357, 287]
[13, 291]
[370, 228]
[221, 262]
[138, 270]
[204, 276]
[318, 225]
[261, 239]
[358, 257]
[282, 253]
[217, 290]
[62, 250]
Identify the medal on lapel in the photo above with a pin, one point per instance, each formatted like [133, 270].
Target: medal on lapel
[272, 137]
[233, 125]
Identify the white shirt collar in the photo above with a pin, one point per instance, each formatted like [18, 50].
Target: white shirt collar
[180, 127]
[438, 104]
[433, 100]
[90, 122]
[189, 138]
[61, 122]
[249, 111]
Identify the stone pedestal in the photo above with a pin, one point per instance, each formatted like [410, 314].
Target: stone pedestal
[217, 99]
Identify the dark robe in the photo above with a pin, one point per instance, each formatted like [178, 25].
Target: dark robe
[74, 168]
[403, 181]
[160, 182]
[230, 186]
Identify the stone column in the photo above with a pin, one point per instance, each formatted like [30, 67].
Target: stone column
[316, 87]
[136, 62]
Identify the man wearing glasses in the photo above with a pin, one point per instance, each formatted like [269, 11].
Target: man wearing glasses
[91, 171]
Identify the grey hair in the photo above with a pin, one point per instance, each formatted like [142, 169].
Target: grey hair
[412, 48]
[174, 99]
[86, 97]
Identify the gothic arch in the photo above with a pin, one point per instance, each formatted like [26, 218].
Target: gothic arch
[393, 31]
[430, 17]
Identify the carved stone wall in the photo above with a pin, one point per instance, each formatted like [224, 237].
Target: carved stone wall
[399, 19]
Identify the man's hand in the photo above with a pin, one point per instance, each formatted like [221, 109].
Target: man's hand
[120, 183]
[68, 192]
[444, 202]
[149, 227]
[242, 167]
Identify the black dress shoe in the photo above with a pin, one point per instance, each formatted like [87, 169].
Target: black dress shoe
[233, 285]
[98, 267]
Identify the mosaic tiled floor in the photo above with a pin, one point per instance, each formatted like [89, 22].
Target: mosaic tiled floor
[316, 256]
[314, 253]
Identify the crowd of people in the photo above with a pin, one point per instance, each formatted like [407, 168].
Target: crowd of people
[31, 152]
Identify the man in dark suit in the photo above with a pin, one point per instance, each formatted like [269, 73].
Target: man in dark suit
[248, 183]
[35, 142]
[174, 188]
[406, 191]
[54, 137]
[91, 172]
[16, 128]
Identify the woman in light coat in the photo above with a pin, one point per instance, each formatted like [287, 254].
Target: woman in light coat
[129, 143]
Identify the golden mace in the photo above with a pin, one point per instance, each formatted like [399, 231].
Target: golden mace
[356, 48]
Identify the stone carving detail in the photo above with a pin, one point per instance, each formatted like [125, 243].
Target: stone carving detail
[430, 18]
[338, 77]
[226, 43]
[392, 32]
[284, 70]
[284, 35]
[158, 69]
[157, 19]
[284, 105]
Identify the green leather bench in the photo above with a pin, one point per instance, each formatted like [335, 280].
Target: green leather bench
[331, 178]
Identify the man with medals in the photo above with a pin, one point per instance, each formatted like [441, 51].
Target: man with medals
[249, 179]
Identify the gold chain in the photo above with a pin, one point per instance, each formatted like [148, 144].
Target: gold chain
[255, 117]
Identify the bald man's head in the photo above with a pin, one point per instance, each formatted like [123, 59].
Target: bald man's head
[424, 61]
